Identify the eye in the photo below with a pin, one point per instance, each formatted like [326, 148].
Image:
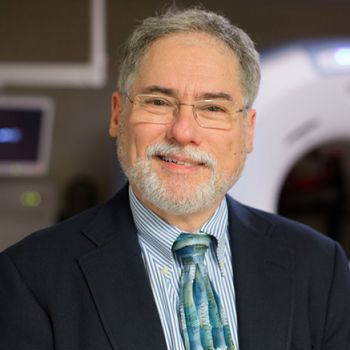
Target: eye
[213, 108]
[156, 101]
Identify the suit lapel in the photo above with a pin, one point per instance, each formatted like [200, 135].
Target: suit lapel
[264, 282]
[118, 282]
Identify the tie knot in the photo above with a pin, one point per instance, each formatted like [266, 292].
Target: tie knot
[191, 247]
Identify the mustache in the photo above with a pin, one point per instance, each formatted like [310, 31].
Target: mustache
[198, 156]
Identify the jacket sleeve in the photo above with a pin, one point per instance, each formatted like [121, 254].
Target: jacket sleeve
[24, 324]
[337, 327]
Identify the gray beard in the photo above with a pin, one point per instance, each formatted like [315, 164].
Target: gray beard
[180, 198]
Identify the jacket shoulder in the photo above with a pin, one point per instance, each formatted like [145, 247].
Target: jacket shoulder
[74, 233]
[46, 244]
[279, 229]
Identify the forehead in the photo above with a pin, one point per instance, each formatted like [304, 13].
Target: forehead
[189, 61]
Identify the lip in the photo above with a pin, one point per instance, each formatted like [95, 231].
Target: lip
[174, 162]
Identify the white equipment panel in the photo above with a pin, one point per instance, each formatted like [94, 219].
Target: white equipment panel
[303, 103]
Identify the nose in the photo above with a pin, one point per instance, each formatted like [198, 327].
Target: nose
[184, 128]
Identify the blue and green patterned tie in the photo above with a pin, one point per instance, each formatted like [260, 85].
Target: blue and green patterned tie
[203, 322]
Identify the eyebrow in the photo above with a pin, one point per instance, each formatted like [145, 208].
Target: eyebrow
[216, 95]
[154, 89]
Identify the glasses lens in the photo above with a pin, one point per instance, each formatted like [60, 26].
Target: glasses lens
[215, 114]
[156, 109]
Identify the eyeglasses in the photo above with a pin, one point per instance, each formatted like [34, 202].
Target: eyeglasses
[213, 114]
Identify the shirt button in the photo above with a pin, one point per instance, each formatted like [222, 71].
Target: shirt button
[165, 270]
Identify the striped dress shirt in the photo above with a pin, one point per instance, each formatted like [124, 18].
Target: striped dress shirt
[156, 238]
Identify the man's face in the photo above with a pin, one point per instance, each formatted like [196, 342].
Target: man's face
[181, 167]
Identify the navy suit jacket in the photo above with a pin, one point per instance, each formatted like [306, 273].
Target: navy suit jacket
[82, 285]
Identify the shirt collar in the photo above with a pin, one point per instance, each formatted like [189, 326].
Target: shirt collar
[161, 235]
[217, 227]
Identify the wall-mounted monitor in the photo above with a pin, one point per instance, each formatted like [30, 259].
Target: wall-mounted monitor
[37, 50]
[25, 135]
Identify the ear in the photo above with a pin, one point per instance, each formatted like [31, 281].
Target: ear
[250, 129]
[116, 114]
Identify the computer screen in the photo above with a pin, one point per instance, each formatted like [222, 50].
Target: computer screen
[25, 135]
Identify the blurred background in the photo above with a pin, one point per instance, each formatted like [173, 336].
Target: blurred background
[58, 69]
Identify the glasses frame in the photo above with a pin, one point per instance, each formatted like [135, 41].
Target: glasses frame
[178, 104]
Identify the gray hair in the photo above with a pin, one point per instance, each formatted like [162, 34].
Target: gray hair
[191, 20]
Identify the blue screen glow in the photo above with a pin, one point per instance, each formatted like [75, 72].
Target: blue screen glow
[10, 135]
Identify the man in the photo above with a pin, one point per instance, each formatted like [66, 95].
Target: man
[112, 277]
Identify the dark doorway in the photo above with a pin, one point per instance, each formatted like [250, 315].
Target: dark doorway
[317, 191]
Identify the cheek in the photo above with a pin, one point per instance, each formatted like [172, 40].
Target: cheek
[229, 151]
[140, 136]
[232, 143]
[239, 142]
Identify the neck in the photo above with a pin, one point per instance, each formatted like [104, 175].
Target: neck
[186, 223]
